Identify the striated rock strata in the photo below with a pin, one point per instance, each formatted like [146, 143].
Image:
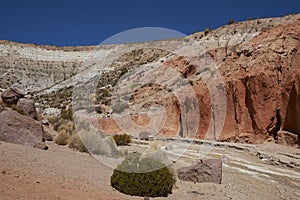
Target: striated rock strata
[258, 61]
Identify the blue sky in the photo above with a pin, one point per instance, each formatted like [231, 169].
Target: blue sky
[90, 22]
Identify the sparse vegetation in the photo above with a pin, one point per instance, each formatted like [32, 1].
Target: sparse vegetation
[48, 136]
[76, 143]
[123, 71]
[207, 31]
[62, 138]
[122, 139]
[68, 126]
[67, 114]
[231, 22]
[144, 178]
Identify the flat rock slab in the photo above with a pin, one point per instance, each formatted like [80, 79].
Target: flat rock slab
[209, 170]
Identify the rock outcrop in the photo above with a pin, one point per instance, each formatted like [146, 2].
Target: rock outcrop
[12, 95]
[262, 84]
[20, 129]
[261, 78]
[38, 67]
[209, 170]
[258, 61]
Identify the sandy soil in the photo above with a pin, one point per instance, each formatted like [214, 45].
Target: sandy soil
[60, 173]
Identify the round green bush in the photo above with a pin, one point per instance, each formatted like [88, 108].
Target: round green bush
[144, 178]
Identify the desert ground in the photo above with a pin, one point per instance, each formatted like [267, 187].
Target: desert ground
[249, 172]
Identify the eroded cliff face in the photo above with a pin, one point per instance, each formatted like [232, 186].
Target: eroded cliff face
[258, 61]
[261, 78]
[262, 82]
[38, 67]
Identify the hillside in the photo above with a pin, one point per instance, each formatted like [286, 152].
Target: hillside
[258, 62]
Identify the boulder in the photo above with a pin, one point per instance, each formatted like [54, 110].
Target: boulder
[20, 129]
[27, 106]
[209, 170]
[12, 95]
[287, 138]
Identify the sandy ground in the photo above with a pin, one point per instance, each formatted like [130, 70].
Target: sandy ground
[60, 173]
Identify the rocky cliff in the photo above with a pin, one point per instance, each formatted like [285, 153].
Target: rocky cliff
[258, 61]
[262, 84]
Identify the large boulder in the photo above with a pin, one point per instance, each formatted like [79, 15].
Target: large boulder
[27, 106]
[12, 95]
[209, 170]
[20, 129]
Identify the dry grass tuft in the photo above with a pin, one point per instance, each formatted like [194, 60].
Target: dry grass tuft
[62, 138]
[48, 136]
[76, 143]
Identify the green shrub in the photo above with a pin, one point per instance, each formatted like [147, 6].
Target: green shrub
[206, 31]
[144, 178]
[123, 71]
[123, 139]
[231, 22]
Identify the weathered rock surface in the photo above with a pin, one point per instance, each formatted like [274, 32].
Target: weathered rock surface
[262, 82]
[257, 59]
[12, 95]
[287, 138]
[27, 106]
[20, 129]
[38, 67]
[209, 170]
[261, 79]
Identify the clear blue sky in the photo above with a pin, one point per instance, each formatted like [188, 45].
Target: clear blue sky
[90, 22]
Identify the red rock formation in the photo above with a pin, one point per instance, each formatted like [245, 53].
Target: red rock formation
[262, 83]
[261, 79]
